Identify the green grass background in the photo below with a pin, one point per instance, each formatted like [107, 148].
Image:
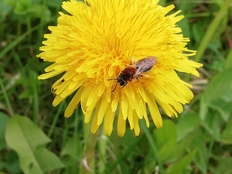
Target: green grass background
[36, 138]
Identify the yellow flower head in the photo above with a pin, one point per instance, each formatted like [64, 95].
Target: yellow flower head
[97, 41]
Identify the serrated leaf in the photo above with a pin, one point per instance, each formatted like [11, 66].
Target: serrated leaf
[23, 136]
[179, 166]
[166, 138]
[218, 95]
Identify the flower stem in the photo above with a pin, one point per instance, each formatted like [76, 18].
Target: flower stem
[88, 161]
[102, 146]
[153, 147]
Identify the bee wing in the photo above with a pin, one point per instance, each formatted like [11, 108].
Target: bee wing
[144, 65]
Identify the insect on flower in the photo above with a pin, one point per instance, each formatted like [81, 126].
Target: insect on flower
[134, 71]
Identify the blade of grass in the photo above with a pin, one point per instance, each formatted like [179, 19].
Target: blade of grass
[34, 78]
[55, 119]
[211, 30]
[6, 99]
[229, 60]
[15, 42]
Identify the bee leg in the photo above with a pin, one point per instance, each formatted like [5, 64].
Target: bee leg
[114, 87]
[145, 75]
[142, 75]
[112, 79]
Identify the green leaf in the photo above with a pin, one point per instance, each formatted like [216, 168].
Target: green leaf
[218, 95]
[11, 2]
[183, 24]
[223, 166]
[11, 162]
[197, 30]
[48, 161]
[162, 2]
[22, 7]
[186, 124]
[166, 138]
[54, 4]
[178, 151]
[4, 10]
[227, 132]
[23, 136]
[212, 124]
[198, 141]
[229, 59]
[72, 148]
[71, 155]
[39, 11]
[179, 166]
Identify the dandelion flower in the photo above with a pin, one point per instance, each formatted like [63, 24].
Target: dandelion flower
[97, 40]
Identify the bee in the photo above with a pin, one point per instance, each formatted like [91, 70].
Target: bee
[134, 71]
